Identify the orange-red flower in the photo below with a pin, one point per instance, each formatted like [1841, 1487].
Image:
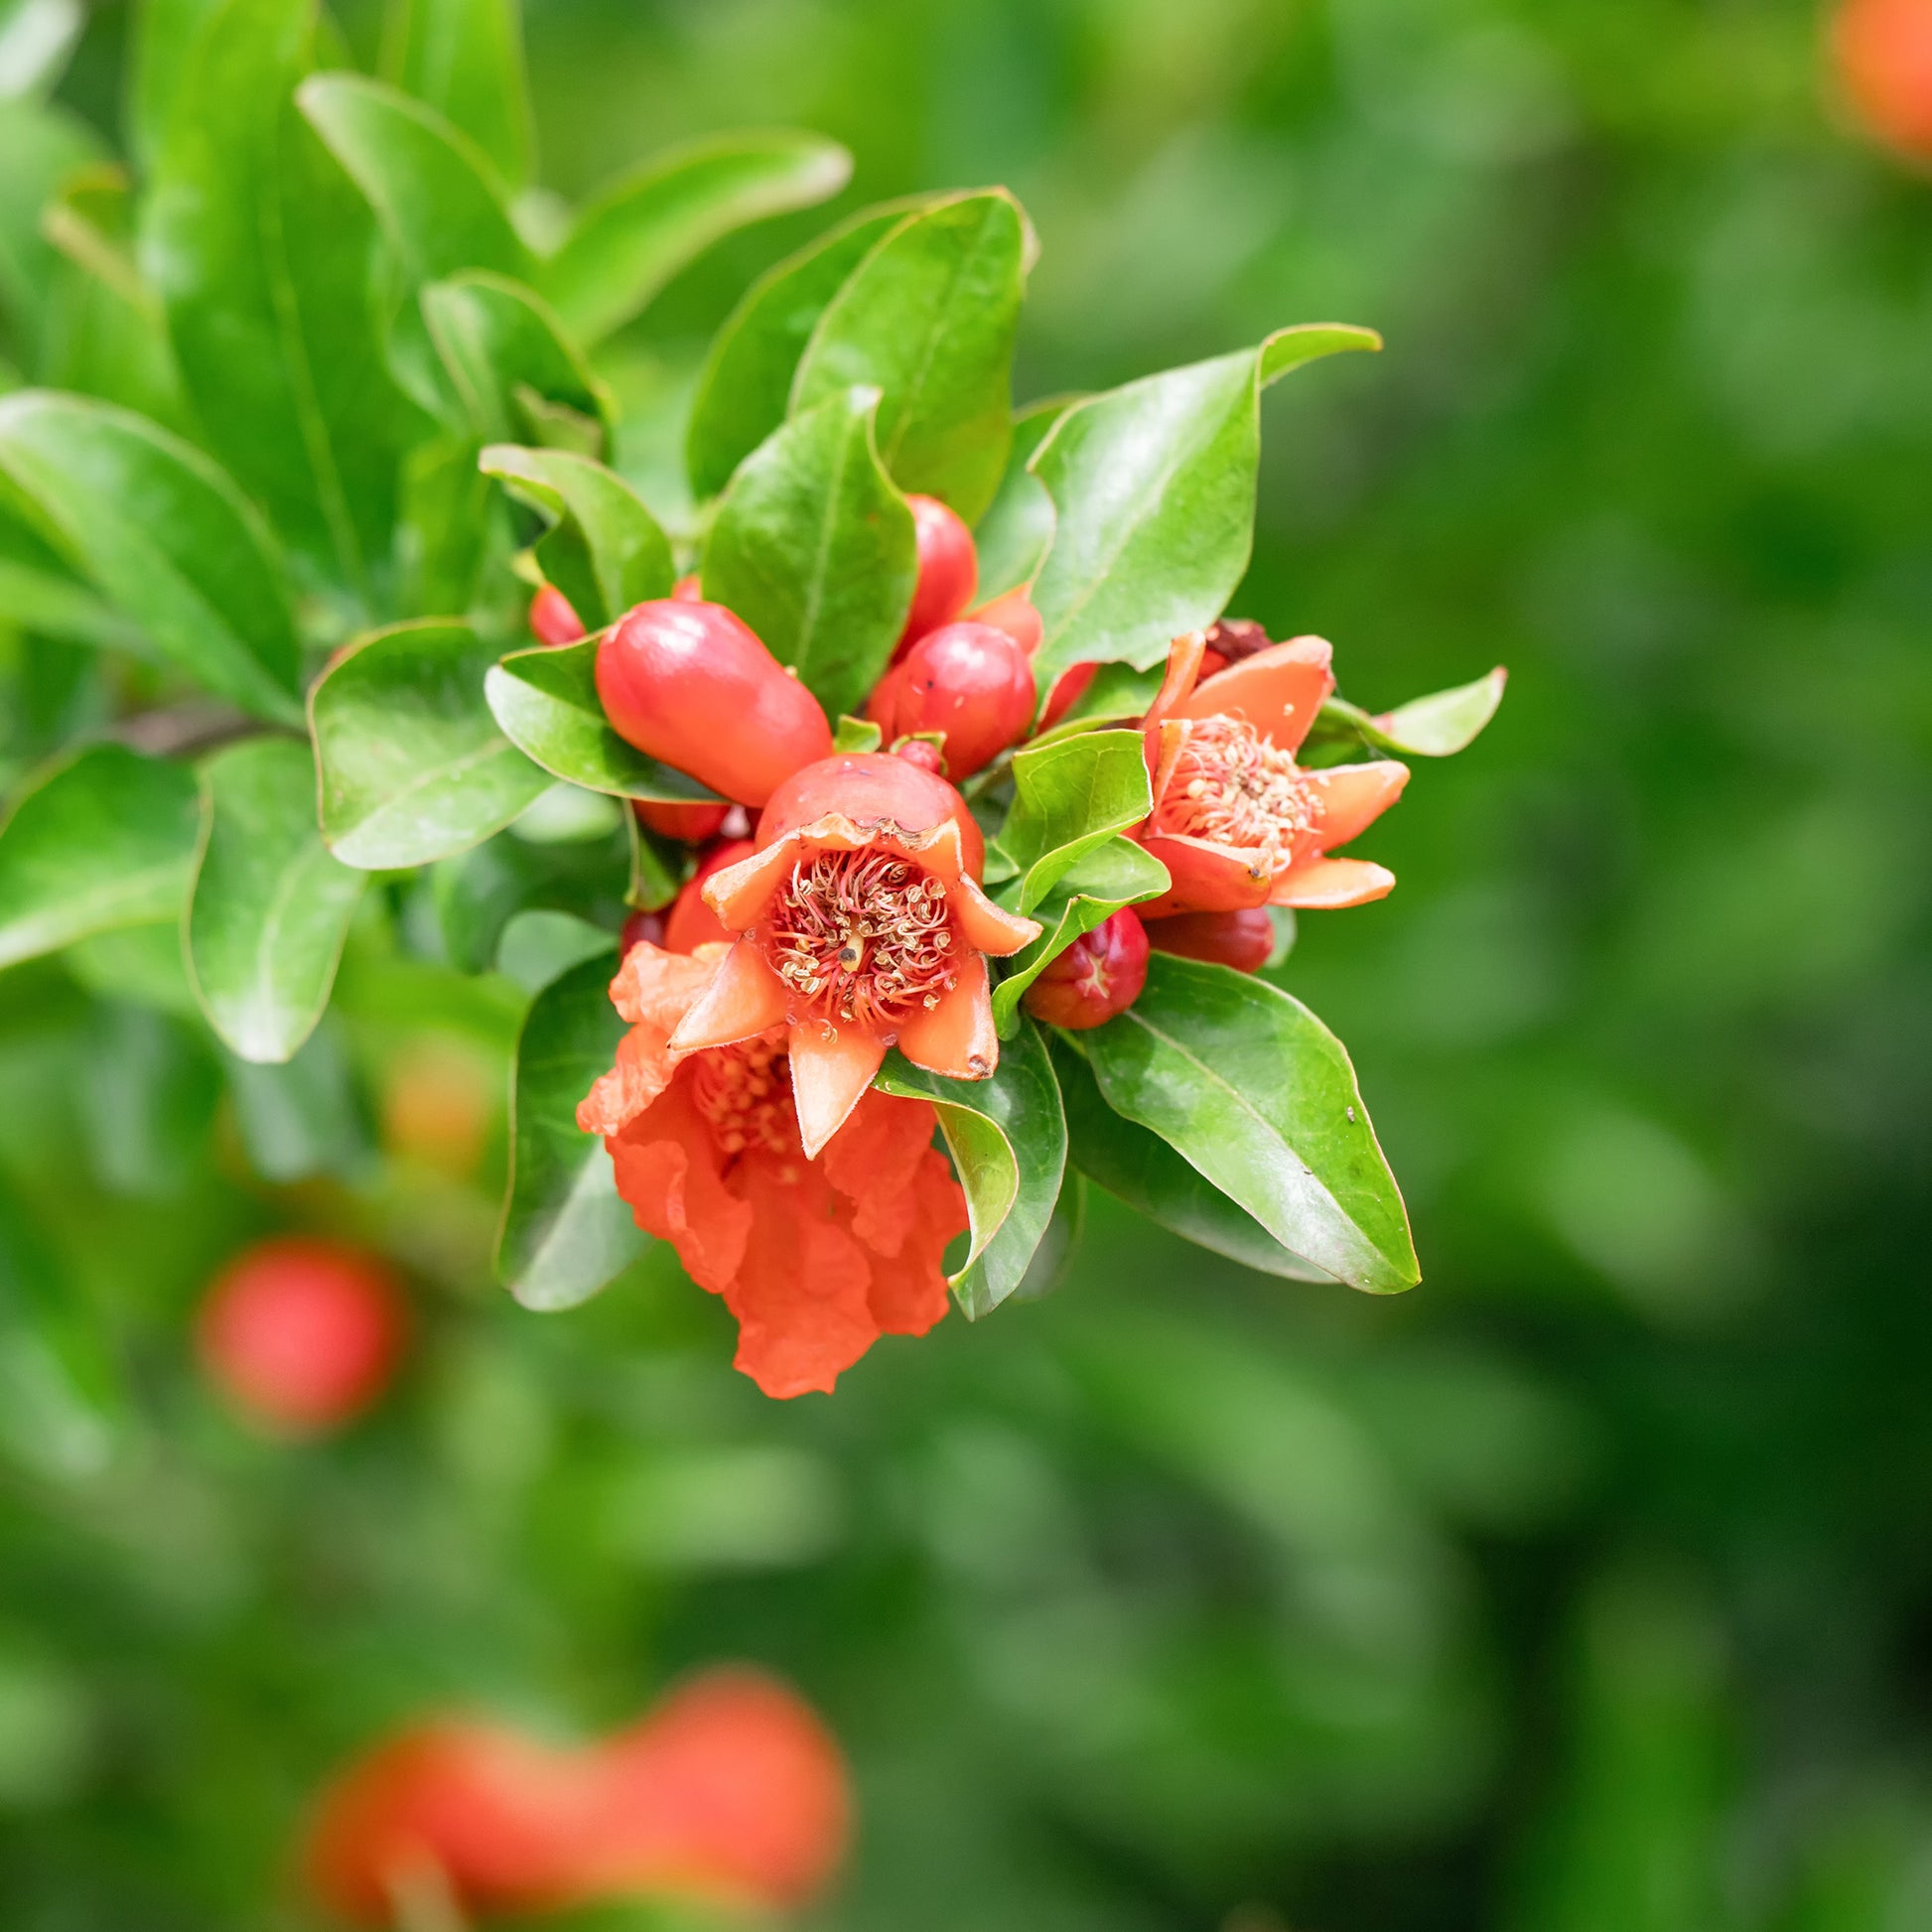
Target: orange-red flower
[815, 1258]
[1235, 820]
[862, 926]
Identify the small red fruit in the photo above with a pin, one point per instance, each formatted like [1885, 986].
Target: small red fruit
[302, 1334]
[967, 680]
[1241, 939]
[948, 569]
[921, 752]
[552, 621]
[691, 684]
[1884, 54]
[691, 823]
[689, 588]
[691, 923]
[1099, 975]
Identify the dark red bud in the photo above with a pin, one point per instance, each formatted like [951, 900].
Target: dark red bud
[640, 926]
[691, 823]
[948, 569]
[971, 683]
[1242, 939]
[552, 621]
[1100, 975]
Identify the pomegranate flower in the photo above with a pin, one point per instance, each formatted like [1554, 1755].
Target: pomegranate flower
[814, 1258]
[1235, 820]
[862, 926]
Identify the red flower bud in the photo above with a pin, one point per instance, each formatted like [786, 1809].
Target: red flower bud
[948, 569]
[552, 621]
[302, 1334]
[1884, 54]
[689, 588]
[967, 680]
[1099, 975]
[921, 752]
[872, 788]
[691, 823]
[691, 922]
[689, 683]
[1242, 939]
[1016, 615]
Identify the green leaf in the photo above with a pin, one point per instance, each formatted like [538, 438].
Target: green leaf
[147, 1092]
[744, 386]
[477, 893]
[413, 766]
[306, 1117]
[633, 237]
[1118, 694]
[1089, 893]
[546, 702]
[1139, 1169]
[37, 37]
[56, 607]
[812, 546]
[164, 32]
[465, 59]
[271, 907]
[165, 535]
[1008, 1139]
[40, 146]
[1253, 1090]
[603, 550]
[1153, 493]
[1070, 796]
[927, 319]
[259, 246]
[449, 520]
[1436, 727]
[856, 734]
[505, 355]
[104, 838]
[1015, 532]
[566, 1231]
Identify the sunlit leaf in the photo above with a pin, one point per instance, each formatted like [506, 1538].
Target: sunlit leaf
[40, 146]
[465, 59]
[1071, 795]
[1016, 531]
[1434, 726]
[507, 358]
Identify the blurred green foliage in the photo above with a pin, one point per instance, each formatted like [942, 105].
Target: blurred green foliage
[1585, 1589]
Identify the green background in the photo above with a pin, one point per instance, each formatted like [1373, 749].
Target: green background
[1586, 1587]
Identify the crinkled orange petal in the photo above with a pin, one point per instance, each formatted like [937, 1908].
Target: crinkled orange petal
[956, 1039]
[1349, 798]
[656, 987]
[739, 893]
[1330, 883]
[1202, 876]
[668, 1171]
[1277, 691]
[908, 1292]
[871, 1160]
[745, 997]
[831, 1066]
[643, 1072]
[988, 928]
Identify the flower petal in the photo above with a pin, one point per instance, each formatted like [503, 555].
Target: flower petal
[656, 987]
[1204, 878]
[745, 997]
[831, 1068]
[1278, 690]
[1349, 798]
[1165, 744]
[1330, 883]
[955, 1039]
[988, 928]
[907, 1293]
[871, 1160]
[667, 1170]
[739, 893]
[1184, 667]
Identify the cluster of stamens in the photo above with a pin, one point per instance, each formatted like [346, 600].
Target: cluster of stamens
[1232, 787]
[744, 1092]
[862, 937]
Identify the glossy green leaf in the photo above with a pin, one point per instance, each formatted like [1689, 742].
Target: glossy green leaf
[450, 520]
[856, 734]
[1070, 796]
[1138, 1167]
[477, 893]
[164, 32]
[1015, 532]
[812, 546]
[1253, 1090]
[1436, 727]
[603, 550]
[104, 838]
[465, 59]
[505, 355]
[745, 387]
[259, 246]
[1088, 893]
[40, 146]
[633, 237]
[566, 1233]
[546, 700]
[271, 906]
[56, 607]
[1154, 493]
[165, 535]
[927, 319]
[413, 766]
[1008, 1139]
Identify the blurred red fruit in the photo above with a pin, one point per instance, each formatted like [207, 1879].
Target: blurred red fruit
[948, 569]
[967, 680]
[1242, 939]
[689, 588]
[691, 923]
[552, 621]
[302, 1334]
[1883, 55]
[1100, 975]
[691, 823]
[691, 684]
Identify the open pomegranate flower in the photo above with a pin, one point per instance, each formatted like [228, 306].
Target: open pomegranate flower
[815, 1258]
[862, 926]
[1235, 820]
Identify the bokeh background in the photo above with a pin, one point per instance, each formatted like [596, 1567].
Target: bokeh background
[1588, 1588]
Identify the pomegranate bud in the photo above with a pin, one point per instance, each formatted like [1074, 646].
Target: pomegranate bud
[691, 823]
[552, 621]
[948, 569]
[1241, 939]
[1100, 975]
[969, 682]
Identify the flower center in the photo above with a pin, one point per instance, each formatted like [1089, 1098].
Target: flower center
[865, 938]
[744, 1092]
[1230, 786]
